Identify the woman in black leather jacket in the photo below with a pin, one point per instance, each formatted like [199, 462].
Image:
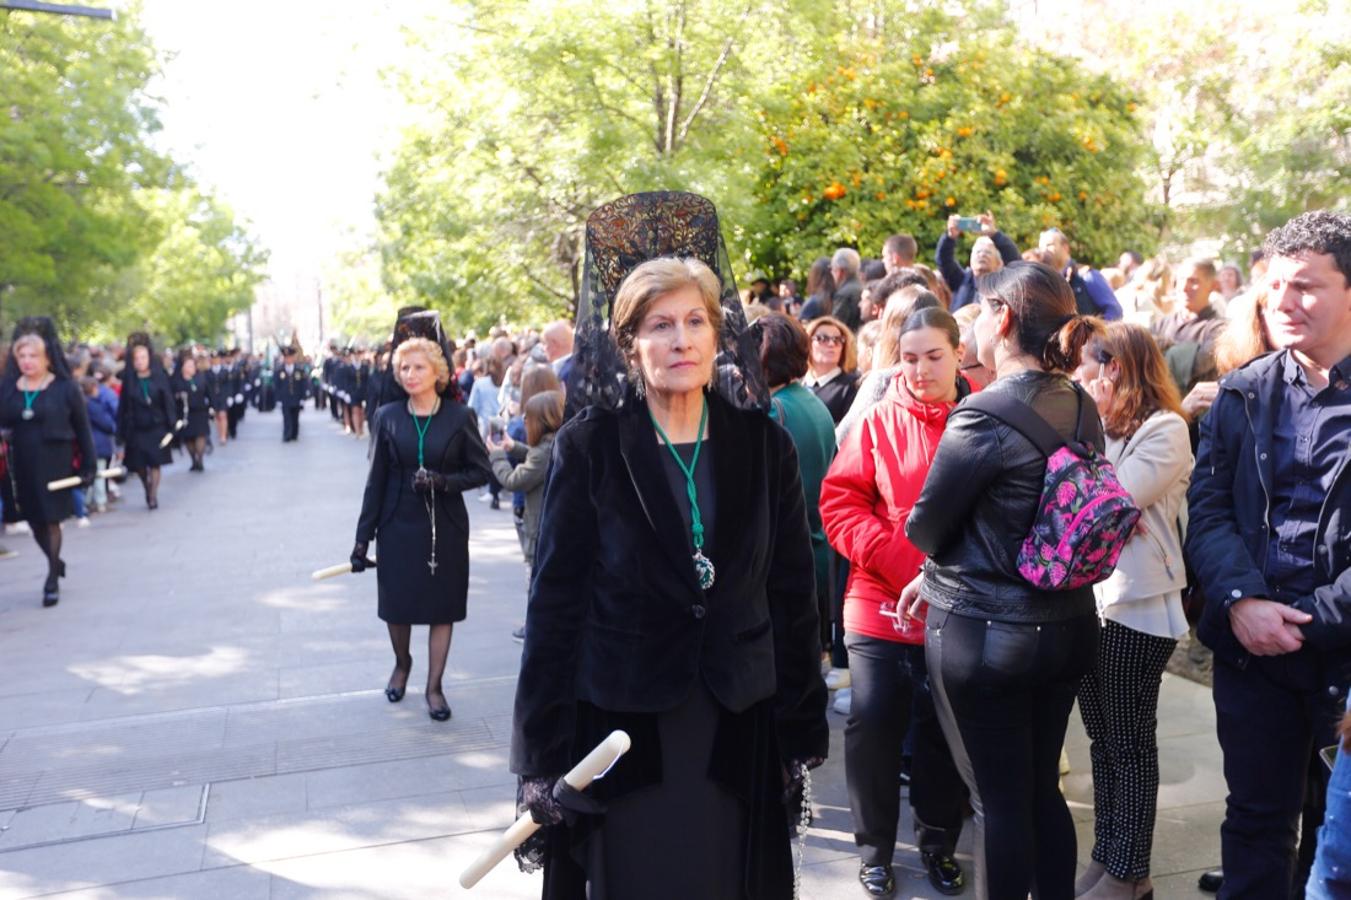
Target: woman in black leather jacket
[1004, 657]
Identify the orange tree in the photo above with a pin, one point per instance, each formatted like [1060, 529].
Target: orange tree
[894, 136]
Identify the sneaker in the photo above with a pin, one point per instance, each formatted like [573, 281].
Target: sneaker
[82, 522]
[100, 507]
[18, 528]
[495, 504]
[842, 702]
[6, 553]
[837, 679]
[519, 634]
[484, 497]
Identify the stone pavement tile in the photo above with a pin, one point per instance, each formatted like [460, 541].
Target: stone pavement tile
[129, 856]
[411, 871]
[70, 820]
[44, 749]
[334, 829]
[46, 708]
[333, 678]
[396, 779]
[252, 798]
[246, 687]
[170, 806]
[235, 883]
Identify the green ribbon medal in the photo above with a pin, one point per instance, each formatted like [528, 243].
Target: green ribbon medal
[703, 566]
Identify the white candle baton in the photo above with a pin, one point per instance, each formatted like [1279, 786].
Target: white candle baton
[335, 571]
[61, 484]
[595, 764]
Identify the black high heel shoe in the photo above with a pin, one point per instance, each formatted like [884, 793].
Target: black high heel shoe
[51, 591]
[395, 694]
[438, 713]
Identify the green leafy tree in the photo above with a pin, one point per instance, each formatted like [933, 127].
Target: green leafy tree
[73, 155]
[541, 112]
[907, 126]
[203, 270]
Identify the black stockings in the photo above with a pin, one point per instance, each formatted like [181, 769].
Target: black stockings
[150, 481]
[48, 537]
[196, 450]
[438, 649]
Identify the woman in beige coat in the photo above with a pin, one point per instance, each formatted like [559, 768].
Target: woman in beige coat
[1140, 605]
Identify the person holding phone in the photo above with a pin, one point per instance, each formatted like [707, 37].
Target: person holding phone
[992, 251]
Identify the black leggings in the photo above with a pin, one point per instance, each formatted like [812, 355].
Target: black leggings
[890, 694]
[1004, 692]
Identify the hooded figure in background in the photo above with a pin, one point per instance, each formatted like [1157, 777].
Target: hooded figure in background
[44, 436]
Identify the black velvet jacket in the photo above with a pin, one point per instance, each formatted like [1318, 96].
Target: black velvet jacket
[616, 616]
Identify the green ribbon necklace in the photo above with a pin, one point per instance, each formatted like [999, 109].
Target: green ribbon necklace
[29, 397]
[422, 428]
[703, 566]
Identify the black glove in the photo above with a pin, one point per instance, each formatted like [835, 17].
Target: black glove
[360, 562]
[87, 479]
[425, 481]
[549, 801]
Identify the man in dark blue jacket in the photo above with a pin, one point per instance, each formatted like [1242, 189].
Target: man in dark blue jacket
[1270, 541]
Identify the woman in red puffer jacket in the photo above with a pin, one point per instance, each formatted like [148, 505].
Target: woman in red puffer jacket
[865, 499]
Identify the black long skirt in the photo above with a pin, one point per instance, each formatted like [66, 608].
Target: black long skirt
[693, 810]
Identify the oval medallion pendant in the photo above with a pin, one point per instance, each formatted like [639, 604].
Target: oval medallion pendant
[27, 415]
[703, 568]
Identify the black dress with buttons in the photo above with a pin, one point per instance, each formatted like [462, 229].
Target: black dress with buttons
[411, 590]
[44, 447]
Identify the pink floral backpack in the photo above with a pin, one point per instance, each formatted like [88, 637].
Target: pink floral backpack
[1085, 516]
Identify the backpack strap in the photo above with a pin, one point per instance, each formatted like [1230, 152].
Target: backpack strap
[1021, 417]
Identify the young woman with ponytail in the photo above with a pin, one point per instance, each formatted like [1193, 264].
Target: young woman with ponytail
[1004, 657]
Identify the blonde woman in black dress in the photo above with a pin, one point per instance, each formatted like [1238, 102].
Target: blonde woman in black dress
[42, 421]
[426, 452]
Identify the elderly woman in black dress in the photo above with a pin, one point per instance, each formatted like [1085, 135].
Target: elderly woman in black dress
[673, 597]
[192, 396]
[145, 416]
[44, 424]
[427, 452]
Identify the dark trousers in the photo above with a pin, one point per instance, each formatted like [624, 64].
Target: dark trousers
[1119, 702]
[890, 693]
[290, 423]
[335, 408]
[1004, 693]
[839, 656]
[232, 417]
[1271, 722]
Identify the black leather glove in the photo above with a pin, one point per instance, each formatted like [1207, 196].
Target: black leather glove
[360, 562]
[87, 479]
[425, 481]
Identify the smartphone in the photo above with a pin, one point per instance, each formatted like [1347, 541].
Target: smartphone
[968, 223]
[496, 428]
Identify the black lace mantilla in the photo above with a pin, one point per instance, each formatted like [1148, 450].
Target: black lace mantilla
[620, 236]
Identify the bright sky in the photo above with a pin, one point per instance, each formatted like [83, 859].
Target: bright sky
[280, 107]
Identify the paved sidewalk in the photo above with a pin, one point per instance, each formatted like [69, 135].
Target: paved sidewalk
[198, 719]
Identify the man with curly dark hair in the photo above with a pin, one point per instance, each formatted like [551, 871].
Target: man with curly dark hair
[1270, 541]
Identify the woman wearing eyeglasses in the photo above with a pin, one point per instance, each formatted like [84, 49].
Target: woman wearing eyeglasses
[865, 499]
[832, 369]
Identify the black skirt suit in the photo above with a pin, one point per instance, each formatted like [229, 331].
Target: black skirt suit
[194, 406]
[145, 414]
[620, 634]
[44, 448]
[396, 516]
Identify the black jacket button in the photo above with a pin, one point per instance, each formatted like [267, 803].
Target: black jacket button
[698, 611]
